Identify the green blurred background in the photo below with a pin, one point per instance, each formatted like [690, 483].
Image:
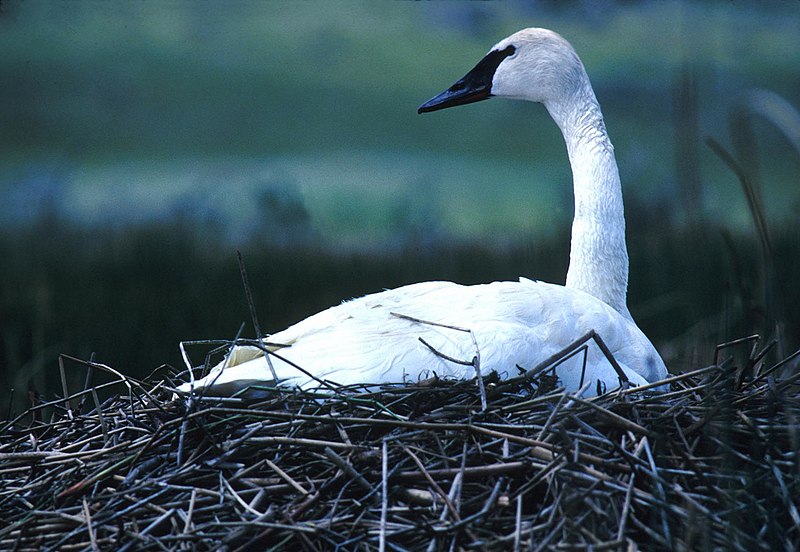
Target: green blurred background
[143, 143]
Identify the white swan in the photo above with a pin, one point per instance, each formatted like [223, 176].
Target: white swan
[387, 337]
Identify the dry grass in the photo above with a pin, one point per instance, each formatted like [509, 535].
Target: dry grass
[713, 464]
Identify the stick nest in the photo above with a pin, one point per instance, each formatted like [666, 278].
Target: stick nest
[713, 464]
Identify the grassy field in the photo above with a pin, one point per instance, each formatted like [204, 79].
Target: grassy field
[128, 299]
[143, 144]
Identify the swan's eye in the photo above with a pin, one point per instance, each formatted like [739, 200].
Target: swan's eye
[509, 51]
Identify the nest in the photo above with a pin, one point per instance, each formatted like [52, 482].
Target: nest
[712, 464]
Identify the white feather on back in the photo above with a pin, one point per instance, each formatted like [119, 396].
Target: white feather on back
[514, 323]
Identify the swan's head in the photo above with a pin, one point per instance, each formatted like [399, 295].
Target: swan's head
[533, 64]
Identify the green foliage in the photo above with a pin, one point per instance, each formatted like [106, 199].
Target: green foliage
[130, 297]
[125, 99]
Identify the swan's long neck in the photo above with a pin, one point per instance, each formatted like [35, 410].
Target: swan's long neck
[598, 256]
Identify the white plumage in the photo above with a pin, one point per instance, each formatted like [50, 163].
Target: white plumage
[397, 335]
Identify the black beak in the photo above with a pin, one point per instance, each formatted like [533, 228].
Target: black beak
[472, 87]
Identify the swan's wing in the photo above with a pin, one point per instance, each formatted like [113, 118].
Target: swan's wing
[358, 341]
[387, 337]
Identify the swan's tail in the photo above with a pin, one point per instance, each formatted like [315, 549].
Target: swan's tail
[243, 366]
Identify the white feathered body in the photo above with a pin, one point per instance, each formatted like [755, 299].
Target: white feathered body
[514, 324]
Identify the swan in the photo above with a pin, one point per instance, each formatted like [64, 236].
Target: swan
[451, 330]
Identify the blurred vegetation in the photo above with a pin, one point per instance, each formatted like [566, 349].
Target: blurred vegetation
[127, 299]
[143, 143]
